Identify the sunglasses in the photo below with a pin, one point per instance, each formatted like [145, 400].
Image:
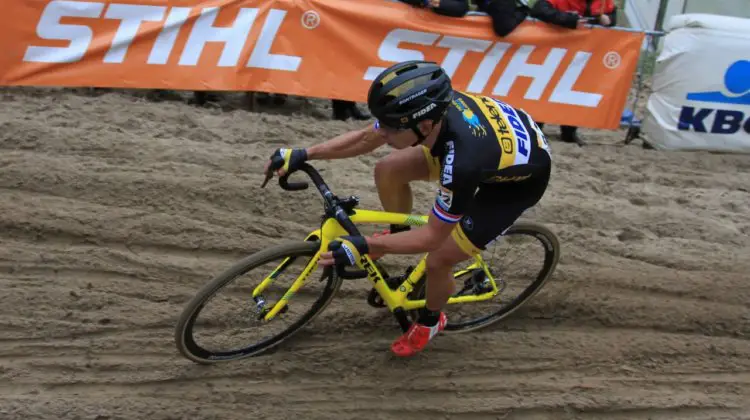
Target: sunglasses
[383, 127]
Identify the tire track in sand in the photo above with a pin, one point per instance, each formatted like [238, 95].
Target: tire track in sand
[115, 210]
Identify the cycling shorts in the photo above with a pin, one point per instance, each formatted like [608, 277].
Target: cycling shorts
[494, 209]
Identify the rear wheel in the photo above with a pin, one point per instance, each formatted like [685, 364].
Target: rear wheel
[531, 255]
[238, 315]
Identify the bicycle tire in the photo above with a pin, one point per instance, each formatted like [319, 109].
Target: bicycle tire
[184, 329]
[551, 258]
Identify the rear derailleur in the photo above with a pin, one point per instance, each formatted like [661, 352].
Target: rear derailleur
[477, 284]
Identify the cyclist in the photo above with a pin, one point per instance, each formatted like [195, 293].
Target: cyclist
[491, 162]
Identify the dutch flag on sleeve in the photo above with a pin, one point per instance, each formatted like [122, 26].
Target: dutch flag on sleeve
[444, 215]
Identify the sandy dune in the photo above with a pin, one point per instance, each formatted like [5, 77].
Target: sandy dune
[114, 210]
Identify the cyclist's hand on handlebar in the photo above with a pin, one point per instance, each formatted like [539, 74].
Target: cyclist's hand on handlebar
[345, 250]
[283, 161]
[286, 160]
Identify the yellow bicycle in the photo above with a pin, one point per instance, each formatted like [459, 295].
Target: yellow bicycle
[402, 295]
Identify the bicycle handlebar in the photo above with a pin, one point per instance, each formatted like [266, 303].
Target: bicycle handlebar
[294, 186]
[284, 183]
[328, 196]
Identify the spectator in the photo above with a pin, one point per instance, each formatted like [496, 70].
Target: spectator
[263, 98]
[342, 110]
[455, 8]
[506, 15]
[602, 12]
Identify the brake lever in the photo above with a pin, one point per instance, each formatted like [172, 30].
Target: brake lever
[276, 163]
[350, 275]
[269, 175]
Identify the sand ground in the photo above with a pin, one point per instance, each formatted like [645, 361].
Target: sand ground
[115, 209]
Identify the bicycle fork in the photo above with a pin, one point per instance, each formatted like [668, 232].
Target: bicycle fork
[281, 306]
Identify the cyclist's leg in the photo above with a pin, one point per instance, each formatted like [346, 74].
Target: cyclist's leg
[440, 282]
[440, 286]
[492, 212]
[394, 172]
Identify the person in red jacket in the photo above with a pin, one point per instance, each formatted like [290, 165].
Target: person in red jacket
[598, 12]
[602, 12]
[505, 15]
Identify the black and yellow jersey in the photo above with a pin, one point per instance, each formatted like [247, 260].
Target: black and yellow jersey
[485, 142]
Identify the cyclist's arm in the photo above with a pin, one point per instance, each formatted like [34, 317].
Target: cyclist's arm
[350, 144]
[424, 239]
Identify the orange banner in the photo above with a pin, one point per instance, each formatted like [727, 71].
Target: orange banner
[316, 48]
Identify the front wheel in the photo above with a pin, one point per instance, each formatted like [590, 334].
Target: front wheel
[236, 315]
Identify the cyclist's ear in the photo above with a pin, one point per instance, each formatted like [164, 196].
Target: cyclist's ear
[426, 127]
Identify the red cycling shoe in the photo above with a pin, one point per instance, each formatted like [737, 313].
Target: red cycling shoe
[417, 337]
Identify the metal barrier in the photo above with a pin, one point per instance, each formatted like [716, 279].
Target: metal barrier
[648, 56]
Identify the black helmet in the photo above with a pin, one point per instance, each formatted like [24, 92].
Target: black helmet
[409, 92]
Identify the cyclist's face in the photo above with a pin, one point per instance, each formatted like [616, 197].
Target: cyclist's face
[397, 138]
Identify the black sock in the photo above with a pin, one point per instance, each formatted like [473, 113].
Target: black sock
[427, 317]
[399, 228]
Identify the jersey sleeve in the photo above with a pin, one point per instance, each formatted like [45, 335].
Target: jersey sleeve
[456, 190]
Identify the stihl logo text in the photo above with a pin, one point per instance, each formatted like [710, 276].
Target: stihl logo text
[391, 50]
[133, 16]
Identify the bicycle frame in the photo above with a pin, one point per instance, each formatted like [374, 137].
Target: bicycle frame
[395, 300]
[340, 220]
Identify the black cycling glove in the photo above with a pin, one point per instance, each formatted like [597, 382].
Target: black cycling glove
[348, 250]
[292, 159]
